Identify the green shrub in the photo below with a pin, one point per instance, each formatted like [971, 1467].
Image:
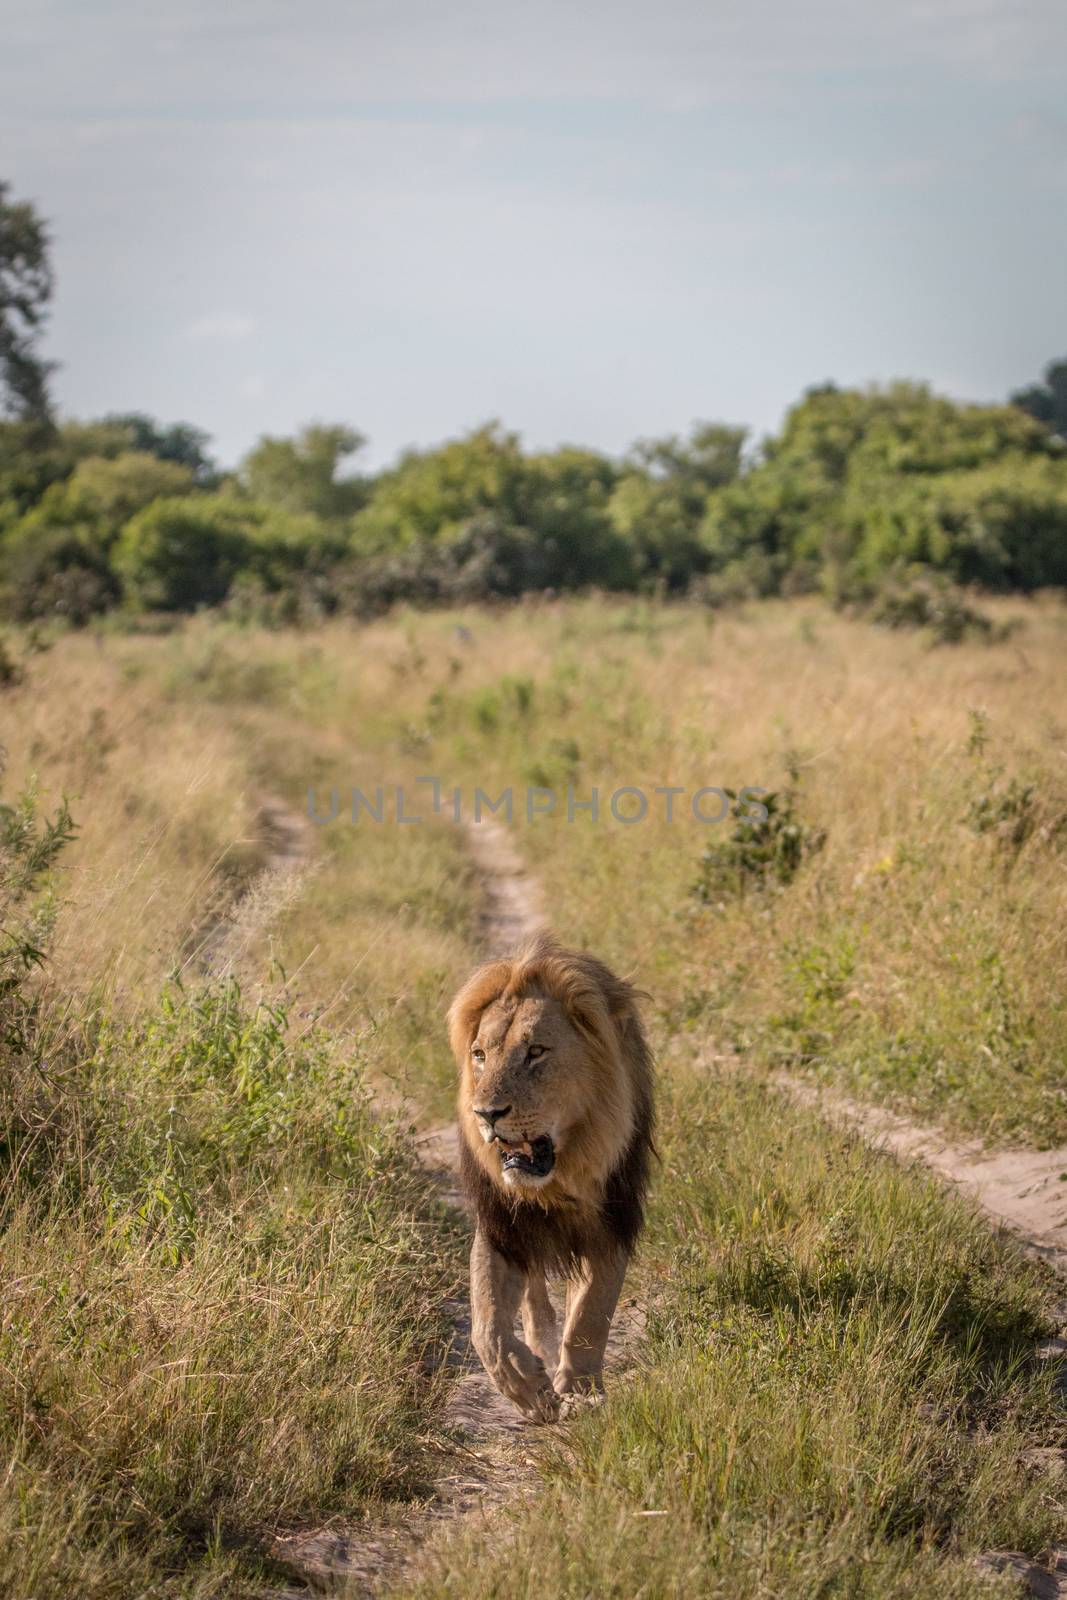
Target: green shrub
[62, 574]
[923, 602]
[179, 554]
[29, 846]
[761, 851]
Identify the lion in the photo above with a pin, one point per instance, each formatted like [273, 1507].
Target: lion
[555, 1136]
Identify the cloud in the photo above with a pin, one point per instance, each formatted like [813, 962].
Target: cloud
[226, 326]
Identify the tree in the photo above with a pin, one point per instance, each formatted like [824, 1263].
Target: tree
[708, 459]
[178, 442]
[661, 526]
[25, 291]
[433, 494]
[1047, 401]
[659, 505]
[301, 474]
[178, 554]
[102, 494]
[63, 573]
[564, 501]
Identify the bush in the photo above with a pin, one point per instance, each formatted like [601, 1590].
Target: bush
[762, 850]
[179, 554]
[61, 574]
[28, 850]
[487, 560]
[923, 602]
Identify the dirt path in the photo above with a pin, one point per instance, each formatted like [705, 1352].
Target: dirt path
[492, 1454]
[492, 1457]
[285, 836]
[1024, 1190]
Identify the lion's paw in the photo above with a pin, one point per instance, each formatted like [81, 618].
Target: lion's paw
[579, 1400]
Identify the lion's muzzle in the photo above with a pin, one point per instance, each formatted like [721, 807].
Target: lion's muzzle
[527, 1158]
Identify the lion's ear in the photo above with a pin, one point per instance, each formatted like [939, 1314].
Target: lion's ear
[465, 1012]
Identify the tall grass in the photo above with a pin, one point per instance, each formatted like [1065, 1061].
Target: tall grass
[837, 1392]
[916, 954]
[209, 1241]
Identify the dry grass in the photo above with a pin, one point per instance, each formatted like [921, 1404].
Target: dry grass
[915, 955]
[209, 1243]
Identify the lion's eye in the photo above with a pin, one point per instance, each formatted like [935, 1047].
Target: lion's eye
[536, 1051]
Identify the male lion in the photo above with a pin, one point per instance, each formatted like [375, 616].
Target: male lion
[555, 1133]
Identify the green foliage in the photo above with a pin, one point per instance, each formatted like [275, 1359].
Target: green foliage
[565, 499]
[660, 523]
[301, 475]
[34, 456]
[709, 459]
[61, 574]
[181, 553]
[178, 554]
[486, 560]
[177, 442]
[29, 846]
[25, 291]
[924, 602]
[858, 486]
[1002, 525]
[1047, 401]
[430, 496]
[660, 502]
[860, 483]
[767, 845]
[99, 497]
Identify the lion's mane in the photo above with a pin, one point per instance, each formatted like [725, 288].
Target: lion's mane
[600, 1208]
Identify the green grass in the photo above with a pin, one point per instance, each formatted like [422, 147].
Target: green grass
[838, 1384]
[208, 1243]
[224, 1280]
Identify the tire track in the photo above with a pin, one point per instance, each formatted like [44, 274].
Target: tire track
[491, 1451]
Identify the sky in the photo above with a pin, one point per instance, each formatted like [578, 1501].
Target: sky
[593, 221]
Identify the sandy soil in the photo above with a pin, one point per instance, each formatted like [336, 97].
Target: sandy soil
[1024, 1190]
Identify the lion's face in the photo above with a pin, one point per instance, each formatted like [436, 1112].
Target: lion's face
[551, 1058]
[526, 1086]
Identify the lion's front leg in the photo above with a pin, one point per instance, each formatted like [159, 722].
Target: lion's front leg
[539, 1320]
[496, 1289]
[591, 1302]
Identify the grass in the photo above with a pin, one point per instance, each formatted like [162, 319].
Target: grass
[209, 1240]
[914, 954]
[837, 1390]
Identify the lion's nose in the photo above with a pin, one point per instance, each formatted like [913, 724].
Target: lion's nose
[489, 1114]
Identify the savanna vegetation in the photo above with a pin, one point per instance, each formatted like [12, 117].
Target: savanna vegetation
[211, 1237]
[224, 1275]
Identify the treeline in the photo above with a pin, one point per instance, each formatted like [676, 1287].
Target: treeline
[856, 487]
